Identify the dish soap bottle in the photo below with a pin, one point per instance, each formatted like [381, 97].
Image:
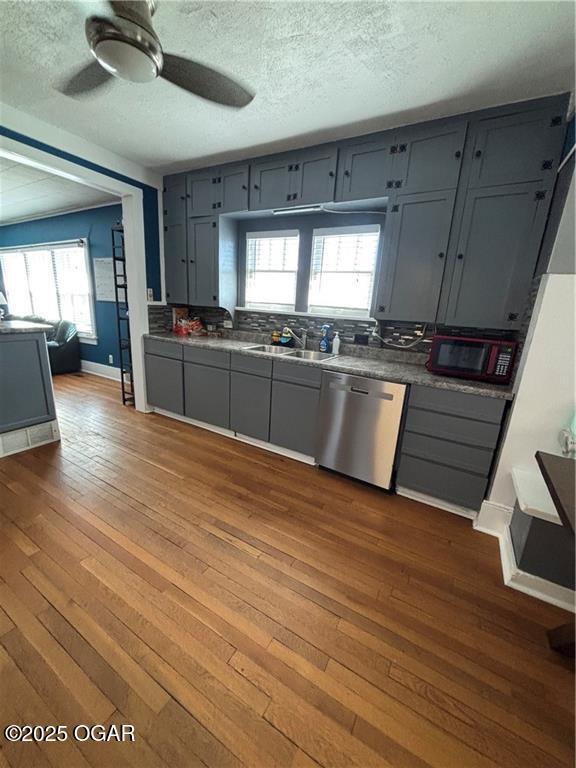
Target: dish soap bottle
[326, 340]
[336, 343]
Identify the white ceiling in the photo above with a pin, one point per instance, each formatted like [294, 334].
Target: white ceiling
[27, 192]
[320, 70]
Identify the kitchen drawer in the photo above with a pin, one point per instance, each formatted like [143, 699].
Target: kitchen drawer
[457, 403]
[442, 482]
[214, 357]
[294, 373]
[467, 457]
[170, 349]
[460, 430]
[245, 364]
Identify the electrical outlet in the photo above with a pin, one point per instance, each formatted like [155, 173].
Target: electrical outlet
[150, 294]
[110, 359]
[228, 324]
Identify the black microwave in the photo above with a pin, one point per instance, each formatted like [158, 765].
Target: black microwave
[469, 358]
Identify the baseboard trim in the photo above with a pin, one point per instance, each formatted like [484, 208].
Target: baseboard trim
[99, 369]
[302, 457]
[535, 586]
[434, 502]
[493, 518]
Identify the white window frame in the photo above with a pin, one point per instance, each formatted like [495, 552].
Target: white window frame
[345, 230]
[87, 338]
[268, 235]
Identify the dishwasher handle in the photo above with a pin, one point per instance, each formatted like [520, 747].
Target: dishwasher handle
[360, 391]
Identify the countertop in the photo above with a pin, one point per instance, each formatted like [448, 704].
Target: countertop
[22, 326]
[401, 372]
[559, 473]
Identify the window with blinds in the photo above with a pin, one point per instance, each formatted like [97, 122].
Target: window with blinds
[271, 269]
[342, 269]
[52, 281]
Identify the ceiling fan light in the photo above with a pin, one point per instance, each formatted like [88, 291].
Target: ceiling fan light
[125, 60]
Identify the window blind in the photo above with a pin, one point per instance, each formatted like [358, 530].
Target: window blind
[342, 269]
[271, 269]
[52, 281]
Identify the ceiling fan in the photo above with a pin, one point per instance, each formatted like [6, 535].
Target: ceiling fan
[124, 44]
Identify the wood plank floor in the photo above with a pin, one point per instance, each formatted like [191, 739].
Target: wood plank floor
[242, 609]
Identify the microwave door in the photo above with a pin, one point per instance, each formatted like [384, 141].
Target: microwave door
[462, 356]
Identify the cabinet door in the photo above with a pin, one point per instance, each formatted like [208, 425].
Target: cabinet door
[203, 262]
[429, 157]
[175, 264]
[294, 417]
[365, 169]
[250, 405]
[497, 251]
[516, 148]
[270, 184]
[314, 176]
[201, 192]
[232, 189]
[164, 386]
[174, 200]
[413, 258]
[207, 394]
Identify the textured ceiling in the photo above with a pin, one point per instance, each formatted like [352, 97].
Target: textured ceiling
[320, 70]
[26, 192]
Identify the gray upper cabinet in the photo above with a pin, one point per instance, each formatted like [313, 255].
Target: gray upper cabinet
[200, 193]
[497, 250]
[365, 168]
[174, 199]
[164, 383]
[415, 242]
[203, 261]
[314, 176]
[270, 183]
[428, 157]
[175, 263]
[516, 148]
[232, 189]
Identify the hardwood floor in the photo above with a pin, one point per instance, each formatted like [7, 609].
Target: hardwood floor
[242, 609]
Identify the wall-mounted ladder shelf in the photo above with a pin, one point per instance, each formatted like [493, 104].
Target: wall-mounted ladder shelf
[122, 314]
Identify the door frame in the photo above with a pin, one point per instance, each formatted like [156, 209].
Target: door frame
[30, 152]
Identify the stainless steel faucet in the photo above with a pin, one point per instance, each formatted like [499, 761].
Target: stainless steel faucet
[302, 339]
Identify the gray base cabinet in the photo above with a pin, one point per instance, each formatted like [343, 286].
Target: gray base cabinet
[250, 405]
[164, 387]
[448, 444]
[207, 394]
[295, 407]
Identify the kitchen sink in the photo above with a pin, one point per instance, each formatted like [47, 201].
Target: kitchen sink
[270, 349]
[310, 354]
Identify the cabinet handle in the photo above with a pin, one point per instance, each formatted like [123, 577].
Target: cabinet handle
[512, 316]
[381, 308]
[346, 173]
[191, 261]
[441, 255]
[183, 261]
[256, 186]
[214, 298]
[389, 184]
[478, 153]
[331, 174]
[183, 197]
[458, 153]
[460, 256]
[244, 186]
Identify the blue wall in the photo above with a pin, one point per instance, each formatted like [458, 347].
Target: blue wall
[94, 225]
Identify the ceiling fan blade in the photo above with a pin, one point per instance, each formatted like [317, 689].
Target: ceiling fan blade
[86, 80]
[204, 81]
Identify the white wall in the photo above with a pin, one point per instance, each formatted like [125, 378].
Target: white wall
[37, 129]
[545, 400]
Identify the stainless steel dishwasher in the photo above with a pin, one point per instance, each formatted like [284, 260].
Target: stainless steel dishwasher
[359, 425]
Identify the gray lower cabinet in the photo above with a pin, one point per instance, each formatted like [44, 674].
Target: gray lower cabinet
[448, 444]
[207, 394]
[295, 404]
[26, 396]
[498, 244]
[415, 242]
[164, 387]
[250, 405]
